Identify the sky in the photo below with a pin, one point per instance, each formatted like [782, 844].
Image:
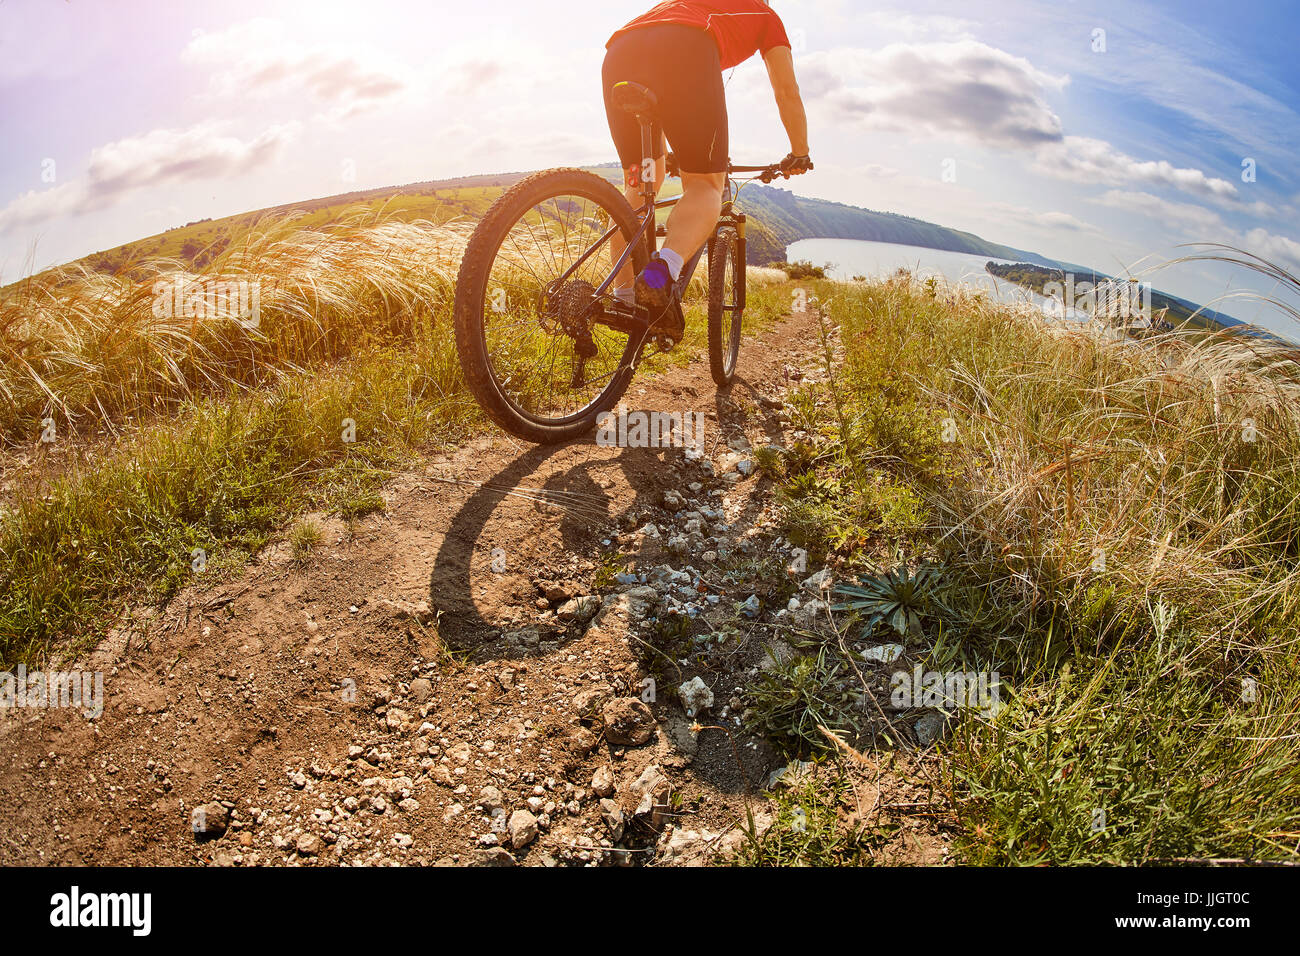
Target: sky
[1101, 133]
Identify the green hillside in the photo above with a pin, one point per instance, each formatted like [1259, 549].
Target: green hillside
[777, 218]
[1174, 311]
[197, 243]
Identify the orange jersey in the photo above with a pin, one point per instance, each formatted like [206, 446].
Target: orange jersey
[740, 28]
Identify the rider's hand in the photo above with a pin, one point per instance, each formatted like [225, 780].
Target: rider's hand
[794, 165]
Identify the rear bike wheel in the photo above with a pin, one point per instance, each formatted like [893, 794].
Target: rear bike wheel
[535, 354]
[726, 305]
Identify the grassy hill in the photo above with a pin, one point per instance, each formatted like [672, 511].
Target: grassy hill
[198, 243]
[1178, 312]
[777, 218]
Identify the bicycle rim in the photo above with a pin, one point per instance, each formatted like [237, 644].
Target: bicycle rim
[732, 315]
[725, 309]
[550, 364]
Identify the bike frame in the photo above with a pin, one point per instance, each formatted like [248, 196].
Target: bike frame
[648, 231]
[644, 233]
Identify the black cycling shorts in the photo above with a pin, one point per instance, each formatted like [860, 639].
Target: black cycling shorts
[680, 64]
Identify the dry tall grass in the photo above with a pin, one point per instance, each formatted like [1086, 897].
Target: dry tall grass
[1118, 525]
[762, 276]
[1168, 468]
[89, 349]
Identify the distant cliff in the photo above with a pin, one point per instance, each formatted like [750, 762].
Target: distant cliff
[777, 218]
[1176, 311]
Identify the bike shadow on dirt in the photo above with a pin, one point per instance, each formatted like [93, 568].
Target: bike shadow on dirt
[573, 496]
[458, 574]
[728, 408]
[572, 486]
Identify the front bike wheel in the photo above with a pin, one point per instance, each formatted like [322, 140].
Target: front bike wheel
[535, 354]
[726, 305]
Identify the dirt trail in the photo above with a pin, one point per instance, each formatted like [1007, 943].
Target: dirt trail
[312, 712]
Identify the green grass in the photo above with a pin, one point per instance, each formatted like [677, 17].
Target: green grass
[789, 701]
[304, 537]
[806, 828]
[1116, 535]
[223, 477]
[1139, 756]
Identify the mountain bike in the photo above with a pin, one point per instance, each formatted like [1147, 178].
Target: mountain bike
[544, 344]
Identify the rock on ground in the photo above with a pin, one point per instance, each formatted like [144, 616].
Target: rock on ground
[628, 722]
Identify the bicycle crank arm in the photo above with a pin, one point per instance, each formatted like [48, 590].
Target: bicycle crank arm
[629, 325]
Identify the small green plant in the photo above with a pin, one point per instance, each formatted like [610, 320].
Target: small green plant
[351, 489]
[304, 537]
[671, 641]
[809, 826]
[770, 461]
[900, 598]
[792, 699]
[609, 564]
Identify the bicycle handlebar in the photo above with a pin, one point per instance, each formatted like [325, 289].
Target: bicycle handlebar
[765, 173]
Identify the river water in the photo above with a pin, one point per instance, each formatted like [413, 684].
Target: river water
[858, 257]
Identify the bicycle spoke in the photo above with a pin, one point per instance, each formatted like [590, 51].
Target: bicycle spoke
[535, 327]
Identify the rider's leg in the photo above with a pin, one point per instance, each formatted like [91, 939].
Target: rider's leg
[696, 214]
[694, 217]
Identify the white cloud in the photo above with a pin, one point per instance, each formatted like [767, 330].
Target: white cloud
[1046, 221]
[1207, 225]
[162, 157]
[36, 206]
[1278, 249]
[913, 24]
[1053, 219]
[978, 93]
[1096, 162]
[965, 89]
[482, 152]
[472, 77]
[1163, 210]
[166, 156]
[257, 59]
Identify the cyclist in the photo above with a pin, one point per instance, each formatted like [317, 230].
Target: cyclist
[679, 50]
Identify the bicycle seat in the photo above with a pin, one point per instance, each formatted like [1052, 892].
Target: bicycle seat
[633, 97]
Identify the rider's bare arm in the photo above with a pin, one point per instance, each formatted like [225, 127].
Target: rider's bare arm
[780, 70]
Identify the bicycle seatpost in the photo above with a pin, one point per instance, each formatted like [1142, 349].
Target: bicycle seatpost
[647, 164]
[648, 176]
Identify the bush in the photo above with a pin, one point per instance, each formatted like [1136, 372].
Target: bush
[801, 270]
